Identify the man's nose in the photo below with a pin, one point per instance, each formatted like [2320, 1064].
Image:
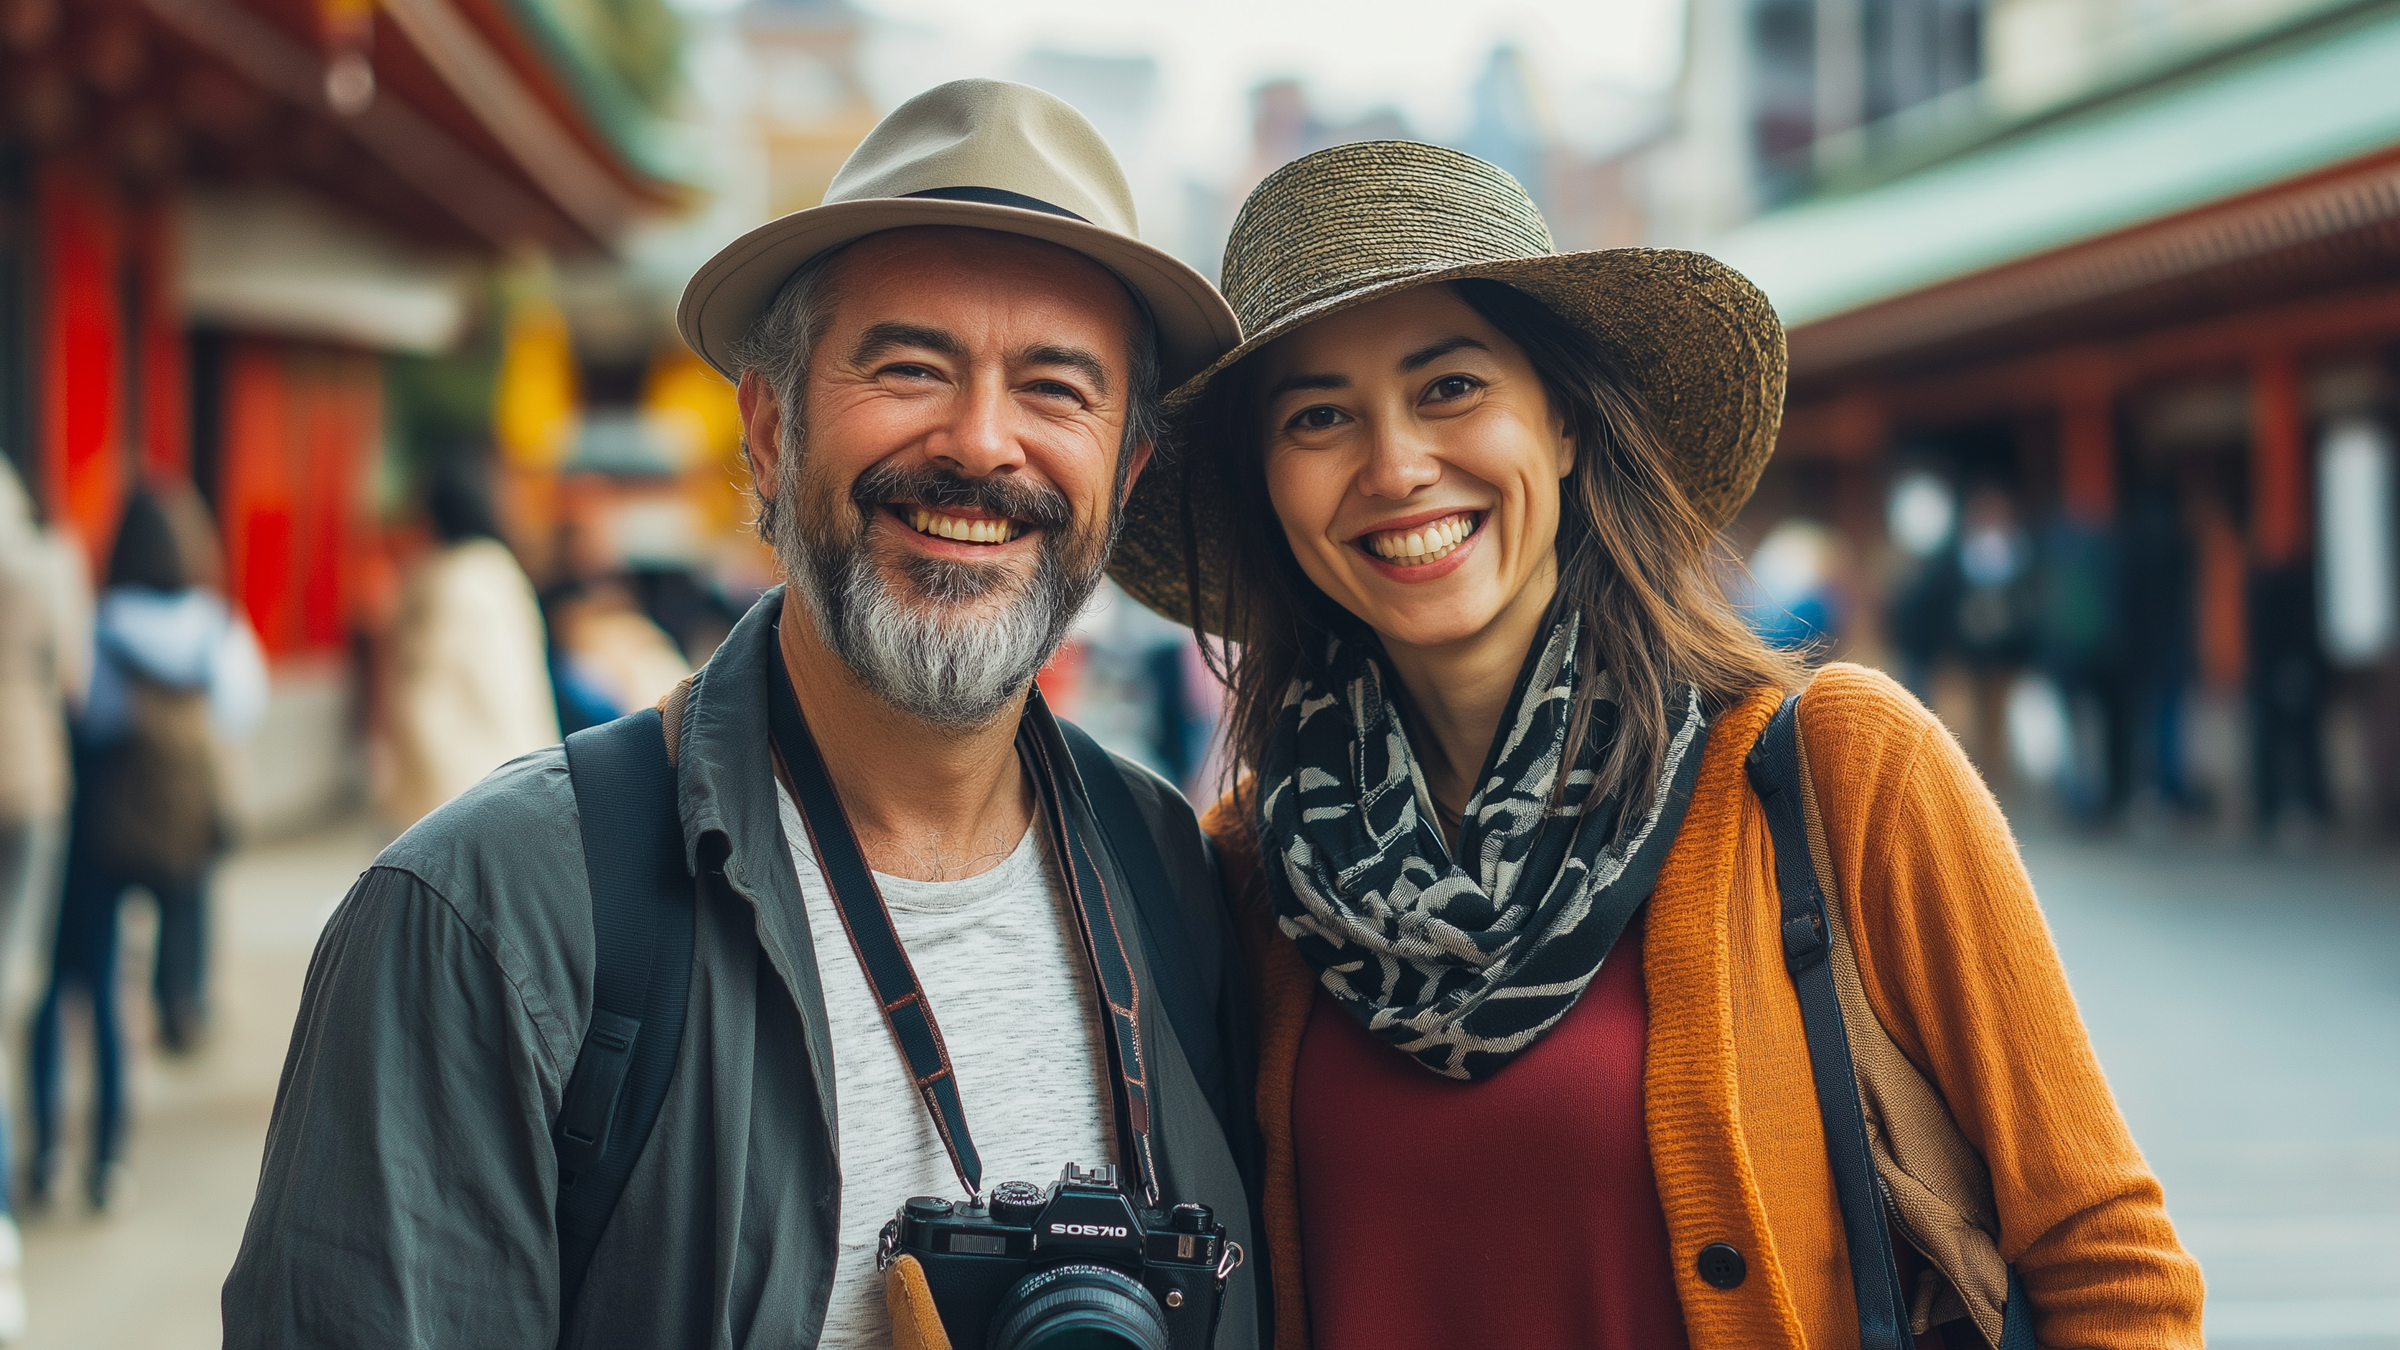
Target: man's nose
[981, 437]
[1399, 461]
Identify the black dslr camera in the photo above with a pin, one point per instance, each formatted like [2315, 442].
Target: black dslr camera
[1079, 1265]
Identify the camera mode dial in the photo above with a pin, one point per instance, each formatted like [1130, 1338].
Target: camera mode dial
[1190, 1218]
[1016, 1202]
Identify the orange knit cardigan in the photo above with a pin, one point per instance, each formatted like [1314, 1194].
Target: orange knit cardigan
[1957, 962]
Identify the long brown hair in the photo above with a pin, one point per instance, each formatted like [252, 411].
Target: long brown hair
[1634, 558]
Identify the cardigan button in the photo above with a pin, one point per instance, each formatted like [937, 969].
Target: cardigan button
[1722, 1266]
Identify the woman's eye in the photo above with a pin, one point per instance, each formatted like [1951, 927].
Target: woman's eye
[1317, 418]
[1450, 388]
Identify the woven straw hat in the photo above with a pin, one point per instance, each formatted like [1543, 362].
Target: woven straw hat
[988, 155]
[1359, 222]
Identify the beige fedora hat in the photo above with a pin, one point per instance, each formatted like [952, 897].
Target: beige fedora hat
[988, 155]
[1359, 222]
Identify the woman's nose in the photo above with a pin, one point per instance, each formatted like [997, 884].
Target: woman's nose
[1399, 462]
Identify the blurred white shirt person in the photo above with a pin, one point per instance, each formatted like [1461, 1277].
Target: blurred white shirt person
[472, 688]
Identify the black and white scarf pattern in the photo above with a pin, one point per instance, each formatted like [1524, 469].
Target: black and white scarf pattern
[1460, 967]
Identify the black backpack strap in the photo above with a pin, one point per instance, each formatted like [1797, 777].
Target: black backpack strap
[642, 916]
[1128, 838]
[1774, 769]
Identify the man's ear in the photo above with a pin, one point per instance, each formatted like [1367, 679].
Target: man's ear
[762, 429]
[1141, 461]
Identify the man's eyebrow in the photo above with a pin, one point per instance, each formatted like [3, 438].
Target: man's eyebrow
[1291, 382]
[1427, 355]
[1073, 358]
[885, 337]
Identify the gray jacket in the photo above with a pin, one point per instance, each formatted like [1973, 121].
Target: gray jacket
[408, 1191]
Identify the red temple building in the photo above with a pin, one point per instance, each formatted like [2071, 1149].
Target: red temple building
[217, 217]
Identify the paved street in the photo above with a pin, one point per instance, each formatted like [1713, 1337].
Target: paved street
[2247, 1008]
[148, 1279]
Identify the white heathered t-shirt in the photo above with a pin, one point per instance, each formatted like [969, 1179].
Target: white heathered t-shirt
[999, 959]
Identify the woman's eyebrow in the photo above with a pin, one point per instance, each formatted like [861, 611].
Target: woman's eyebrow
[1427, 355]
[1291, 382]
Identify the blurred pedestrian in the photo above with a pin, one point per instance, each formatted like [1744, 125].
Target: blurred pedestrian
[2160, 634]
[2075, 626]
[179, 966]
[1993, 629]
[172, 670]
[607, 656]
[472, 689]
[2287, 702]
[35, 630]
[1921, 618]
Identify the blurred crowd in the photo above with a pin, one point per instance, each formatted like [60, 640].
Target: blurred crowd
[114, 709]
[2138, 669]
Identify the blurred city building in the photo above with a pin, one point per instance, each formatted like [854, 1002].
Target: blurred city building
[2122, 268]
[220, 223]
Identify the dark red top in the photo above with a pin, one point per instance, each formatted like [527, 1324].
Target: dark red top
[1520, 1211]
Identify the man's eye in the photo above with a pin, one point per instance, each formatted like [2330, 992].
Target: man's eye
[1317, 418]
[910, 370]
[1450, 388]
[1054, 389]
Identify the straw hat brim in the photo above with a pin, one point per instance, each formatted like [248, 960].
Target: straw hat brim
[727, 295]
[1700, 342]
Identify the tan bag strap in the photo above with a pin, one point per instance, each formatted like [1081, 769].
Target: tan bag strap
[1937, 1183]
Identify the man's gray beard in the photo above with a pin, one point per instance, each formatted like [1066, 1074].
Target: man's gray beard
[920, 656]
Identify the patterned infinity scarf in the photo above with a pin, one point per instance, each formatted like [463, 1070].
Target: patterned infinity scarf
[1460, 968]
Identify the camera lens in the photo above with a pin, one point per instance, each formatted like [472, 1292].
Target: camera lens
[1079, 1307]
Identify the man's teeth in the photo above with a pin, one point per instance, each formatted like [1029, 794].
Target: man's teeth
[1423, 543]
[965, 529]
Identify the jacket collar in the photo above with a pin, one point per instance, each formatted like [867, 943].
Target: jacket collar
[732, 824]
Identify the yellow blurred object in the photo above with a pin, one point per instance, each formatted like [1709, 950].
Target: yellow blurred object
[699, 404]
[915, 1324]
[681, 387]
[534, 408]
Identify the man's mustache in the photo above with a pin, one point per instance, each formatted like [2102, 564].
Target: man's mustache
[1036, 504]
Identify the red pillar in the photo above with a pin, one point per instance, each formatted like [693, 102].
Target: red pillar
[2087, 439]
[80, 345]
[2278, 462]
[166, 449]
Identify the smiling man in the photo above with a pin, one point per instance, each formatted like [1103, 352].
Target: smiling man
[938, 940]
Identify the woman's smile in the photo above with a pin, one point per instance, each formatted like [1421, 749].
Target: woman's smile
[1421, 549]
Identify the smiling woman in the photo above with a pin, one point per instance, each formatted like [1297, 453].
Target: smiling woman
[1507, 893]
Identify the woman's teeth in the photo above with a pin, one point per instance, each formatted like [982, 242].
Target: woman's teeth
[1422, 544]
[964, 529]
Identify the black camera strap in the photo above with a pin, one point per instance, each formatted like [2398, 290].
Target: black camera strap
[893, 980]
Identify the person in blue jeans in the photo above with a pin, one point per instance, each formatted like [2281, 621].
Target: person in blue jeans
[172, 669]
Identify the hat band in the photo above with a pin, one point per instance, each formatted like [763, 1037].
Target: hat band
[996, 197]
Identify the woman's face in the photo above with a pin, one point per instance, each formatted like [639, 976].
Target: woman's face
[1414, 461]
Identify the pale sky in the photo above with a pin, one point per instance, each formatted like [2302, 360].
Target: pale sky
[1418, 55]
[1598, 63]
